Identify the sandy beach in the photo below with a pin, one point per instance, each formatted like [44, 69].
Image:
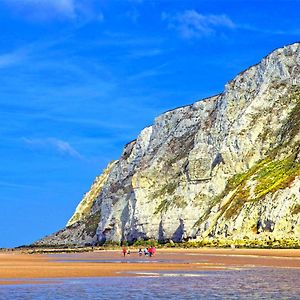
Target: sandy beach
[18, 268]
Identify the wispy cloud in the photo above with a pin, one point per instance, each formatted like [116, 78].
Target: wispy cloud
[290, 31]
[155, 71]
[55, 144]
[145, 53]
[191, 24]
[16, 185]
[12, 58]
[30, 51]
[113, 38]
[20, 55]
[53, 9]
[136, 1]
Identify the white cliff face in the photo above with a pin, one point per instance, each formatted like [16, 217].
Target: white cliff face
[226, 167]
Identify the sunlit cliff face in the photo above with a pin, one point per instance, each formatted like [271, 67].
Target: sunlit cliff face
[223, 169]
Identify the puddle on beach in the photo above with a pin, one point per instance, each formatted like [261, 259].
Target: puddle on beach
[165, 274]
[231, 284]
[137, 261]
[117, 258]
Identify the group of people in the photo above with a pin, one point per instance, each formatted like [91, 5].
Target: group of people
[150, 251]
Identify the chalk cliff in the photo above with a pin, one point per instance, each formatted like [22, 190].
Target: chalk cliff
[225, 168]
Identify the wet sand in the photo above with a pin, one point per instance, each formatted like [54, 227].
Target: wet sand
[18, 268]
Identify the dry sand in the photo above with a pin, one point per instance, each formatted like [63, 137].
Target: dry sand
[17, 267]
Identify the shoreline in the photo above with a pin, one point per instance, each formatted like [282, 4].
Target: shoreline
[17, 267]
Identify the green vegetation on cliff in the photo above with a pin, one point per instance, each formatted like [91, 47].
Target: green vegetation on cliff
[277, 171]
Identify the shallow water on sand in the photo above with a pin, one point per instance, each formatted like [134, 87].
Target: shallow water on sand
[262, 283]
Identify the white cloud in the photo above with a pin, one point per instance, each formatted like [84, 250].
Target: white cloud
[52, 9]
[57, 145]
[191, 24]
[44, 8]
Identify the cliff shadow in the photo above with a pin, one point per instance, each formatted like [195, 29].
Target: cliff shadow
[179, 232]
[161, 233]
[129, 226]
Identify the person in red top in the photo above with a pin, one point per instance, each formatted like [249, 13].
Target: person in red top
[153, 250]
[124, 251]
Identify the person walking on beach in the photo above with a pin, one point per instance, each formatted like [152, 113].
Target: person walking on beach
[146, 251]
[140, 252]
[153, 250]
[124, 251]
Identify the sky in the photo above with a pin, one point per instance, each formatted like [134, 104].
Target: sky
[81, 78]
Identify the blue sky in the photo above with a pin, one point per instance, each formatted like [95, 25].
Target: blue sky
[79, 79]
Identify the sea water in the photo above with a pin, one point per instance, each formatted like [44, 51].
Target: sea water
[256, 283]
